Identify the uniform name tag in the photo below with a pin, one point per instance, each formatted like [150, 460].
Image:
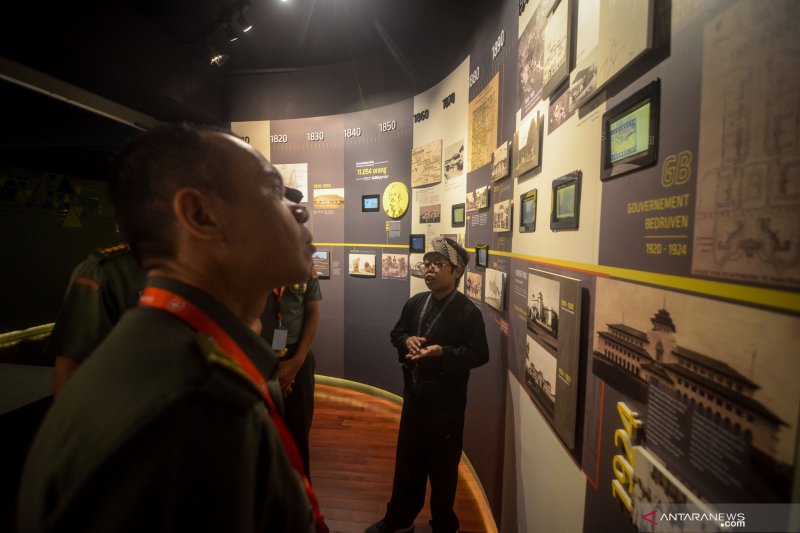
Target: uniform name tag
[279, 339]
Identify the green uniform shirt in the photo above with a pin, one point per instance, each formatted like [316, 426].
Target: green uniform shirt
[102, 288]
[158, 432]
[292, 307]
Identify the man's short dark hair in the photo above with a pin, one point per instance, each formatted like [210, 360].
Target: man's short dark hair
[148, 172]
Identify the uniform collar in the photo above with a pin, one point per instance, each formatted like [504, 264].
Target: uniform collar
[247, 339]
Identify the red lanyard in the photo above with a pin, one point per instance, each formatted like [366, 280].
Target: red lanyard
[279, 295]
[201, 322]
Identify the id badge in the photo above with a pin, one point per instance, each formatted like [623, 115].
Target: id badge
[279, 339]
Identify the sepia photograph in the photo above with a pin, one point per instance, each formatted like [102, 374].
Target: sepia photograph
[481, 197]
[473, 285]
[501, 219]
[430, 214]
[454, 160]
[362, 265]
[495, 289]
[394, 266]
[329, 198]
[500, 162]
[527, 144]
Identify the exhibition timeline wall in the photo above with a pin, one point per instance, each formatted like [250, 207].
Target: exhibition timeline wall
[626, 176]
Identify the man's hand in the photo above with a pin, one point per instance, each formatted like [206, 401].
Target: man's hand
[434, 350]
[287, 370]
[413, 344]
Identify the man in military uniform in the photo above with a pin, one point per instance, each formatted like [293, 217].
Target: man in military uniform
[104, 285]
[289, 324]
[170, 425]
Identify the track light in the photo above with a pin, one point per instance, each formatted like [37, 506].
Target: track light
[243, 24]
[218, 59]
[231, 34]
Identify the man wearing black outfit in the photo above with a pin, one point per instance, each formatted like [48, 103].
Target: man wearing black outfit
[440, 336]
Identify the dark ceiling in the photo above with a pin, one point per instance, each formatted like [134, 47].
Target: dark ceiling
[153, 56]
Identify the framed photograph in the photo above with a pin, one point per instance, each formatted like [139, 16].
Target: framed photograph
[527, 212]
[482, 255]
[322, 263]
[629, 139]
[416, 266]
[416, 243]
[500, 162]
[394, 266]
[482, 197]
[473, 285]
[552, 348]
[361, 265]
[501, 218]
[495, 289]
[566, 206]
[454, 162]
[430, 214]
[457, 218]
[370, 202]
[556, 54]
[527, 145]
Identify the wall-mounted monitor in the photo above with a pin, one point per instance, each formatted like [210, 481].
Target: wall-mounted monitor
[370, 202]
[630, 133]
[458, 214]
[416, 243]
[482, 255]
[566, 205]
[527, 212]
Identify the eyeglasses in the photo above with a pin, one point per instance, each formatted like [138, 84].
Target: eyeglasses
[436, 265]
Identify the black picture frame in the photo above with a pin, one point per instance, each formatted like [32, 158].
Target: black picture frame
[416, 243]
[370, 203]
[565, 209]
[482, 255]
[458, 215]
[629, 139]
[527, 211]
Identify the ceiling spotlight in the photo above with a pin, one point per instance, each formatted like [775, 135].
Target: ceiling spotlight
[243, 24]
[218, 60]
[231, 34]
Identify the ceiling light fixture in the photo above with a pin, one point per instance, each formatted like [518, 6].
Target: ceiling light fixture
[218, 59]
[231, 34]
[243, 24]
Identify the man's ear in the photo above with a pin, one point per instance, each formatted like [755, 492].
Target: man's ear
[196, 214]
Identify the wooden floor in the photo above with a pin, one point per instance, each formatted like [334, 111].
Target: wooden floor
[353, 441]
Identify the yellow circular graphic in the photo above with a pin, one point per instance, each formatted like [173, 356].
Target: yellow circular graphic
[395, 199]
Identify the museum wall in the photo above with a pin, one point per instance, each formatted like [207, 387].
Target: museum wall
[626, 176]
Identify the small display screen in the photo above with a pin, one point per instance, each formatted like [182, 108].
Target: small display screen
[417, 243]
[458, 214]
[565, 201]
[527, 211]
[483, 256]
[370, 203]
[629, 136]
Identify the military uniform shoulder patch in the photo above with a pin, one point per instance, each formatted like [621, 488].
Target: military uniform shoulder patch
[111, 251]
[215, 355]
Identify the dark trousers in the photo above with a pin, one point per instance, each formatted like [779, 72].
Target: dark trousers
[428, 446]
[299, 408]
